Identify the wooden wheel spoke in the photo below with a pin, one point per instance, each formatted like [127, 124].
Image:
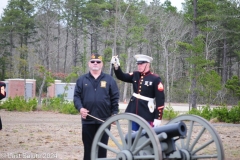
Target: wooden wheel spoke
[121, 135]
[189, 135]
[197, 138]
[129, 135]
[136, 139]
[146, 143]
[107, 147]
[113, 139]
[203, 146]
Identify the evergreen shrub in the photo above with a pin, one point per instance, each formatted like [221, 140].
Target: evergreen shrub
[18, 103]
[222, 113]
[169, 113]
[58, 104]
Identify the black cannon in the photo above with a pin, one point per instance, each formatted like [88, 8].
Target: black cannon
[187, 137]
[170, 131]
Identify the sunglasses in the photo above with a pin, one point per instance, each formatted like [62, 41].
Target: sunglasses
[96, 62]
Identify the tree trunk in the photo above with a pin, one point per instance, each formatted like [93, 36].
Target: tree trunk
[224, 60]
[167, 70]
[66, 49]
[41, 90]
[58, 46]
[46, 49]
[75, 50]
[193, 80]
[11, 54]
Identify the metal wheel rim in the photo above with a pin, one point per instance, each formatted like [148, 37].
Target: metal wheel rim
[125, 146]
[189, 145]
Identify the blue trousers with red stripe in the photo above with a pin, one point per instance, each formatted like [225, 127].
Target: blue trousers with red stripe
[135, 126]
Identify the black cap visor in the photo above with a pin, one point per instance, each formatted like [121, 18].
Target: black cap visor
[141, 62]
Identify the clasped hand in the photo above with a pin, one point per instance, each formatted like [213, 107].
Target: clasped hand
[84, 112]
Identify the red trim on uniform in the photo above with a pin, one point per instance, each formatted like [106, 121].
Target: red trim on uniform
[160, 87]
[160, 107]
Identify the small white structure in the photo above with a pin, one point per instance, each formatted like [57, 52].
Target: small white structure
[58, 89]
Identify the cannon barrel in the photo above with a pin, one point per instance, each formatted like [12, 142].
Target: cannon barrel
[172, 130]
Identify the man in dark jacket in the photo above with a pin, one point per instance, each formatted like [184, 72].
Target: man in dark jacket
[2, 95]
[96, 95]
[148, 98]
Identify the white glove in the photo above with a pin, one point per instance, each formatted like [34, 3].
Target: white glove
[157, 122]
[115, 61]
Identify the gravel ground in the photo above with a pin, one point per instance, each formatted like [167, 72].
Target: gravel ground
[49, 135]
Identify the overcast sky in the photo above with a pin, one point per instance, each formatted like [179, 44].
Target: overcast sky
[176, 3]
[3, 4]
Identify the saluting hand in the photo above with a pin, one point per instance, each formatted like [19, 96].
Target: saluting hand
[115, 61]
[84, 112]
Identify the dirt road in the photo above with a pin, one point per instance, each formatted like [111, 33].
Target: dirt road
[48, 135]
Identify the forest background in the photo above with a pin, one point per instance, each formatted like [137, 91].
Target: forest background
[195, 51]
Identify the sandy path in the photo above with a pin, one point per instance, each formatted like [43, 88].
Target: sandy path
[49, 135]
[46, 134]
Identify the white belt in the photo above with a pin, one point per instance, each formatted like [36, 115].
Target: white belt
[151, 104]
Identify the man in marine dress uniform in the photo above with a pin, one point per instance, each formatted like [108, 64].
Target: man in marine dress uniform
[2, 95]
[148, 98]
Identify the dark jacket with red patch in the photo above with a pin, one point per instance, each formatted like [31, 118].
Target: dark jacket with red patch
[148, 85]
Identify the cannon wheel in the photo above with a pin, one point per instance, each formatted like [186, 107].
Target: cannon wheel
[202, 140]
[121, 146]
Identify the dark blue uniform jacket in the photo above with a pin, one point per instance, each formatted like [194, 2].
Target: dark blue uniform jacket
[100, 96]
[148, 85]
